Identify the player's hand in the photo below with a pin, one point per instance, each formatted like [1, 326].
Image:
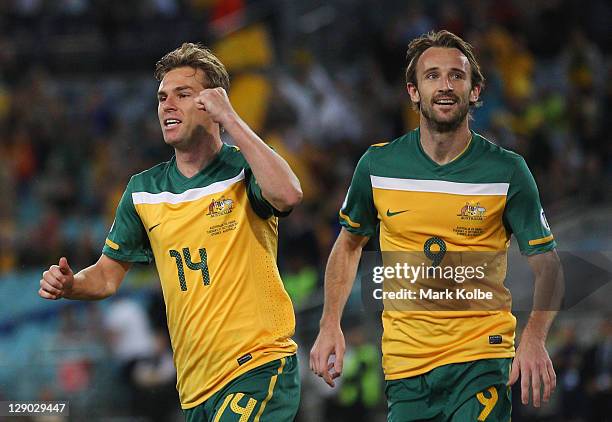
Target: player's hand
[57, 281]
[330, 342]
[216, 103]
[535, 368]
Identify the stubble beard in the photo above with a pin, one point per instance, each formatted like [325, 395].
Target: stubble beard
[444, 126]
[188, 140]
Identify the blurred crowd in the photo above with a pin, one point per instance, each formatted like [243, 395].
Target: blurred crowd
[319, 81]
[71, 136]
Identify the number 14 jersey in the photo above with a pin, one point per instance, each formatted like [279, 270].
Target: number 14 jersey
[214, 239]
[468, 207]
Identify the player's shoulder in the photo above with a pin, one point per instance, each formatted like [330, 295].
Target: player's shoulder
[495, 155]
[231, 162]
[392, 148]
[400, 142]
[233, 155]
[150, 176]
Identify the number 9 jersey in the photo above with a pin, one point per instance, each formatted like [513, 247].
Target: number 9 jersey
[213, 238]
[468, 207]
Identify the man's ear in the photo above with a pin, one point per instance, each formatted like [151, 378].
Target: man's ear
[475, 93]
[413, 92]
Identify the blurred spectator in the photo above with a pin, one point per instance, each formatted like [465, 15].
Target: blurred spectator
[596, 375]
[567, 361]
[134, 346]
[361, 391]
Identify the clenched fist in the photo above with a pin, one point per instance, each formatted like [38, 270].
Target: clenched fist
[57, 281]
[216, 103]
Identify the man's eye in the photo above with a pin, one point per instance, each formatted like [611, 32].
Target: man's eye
[162, 99]
[183, 95]
[431, 76]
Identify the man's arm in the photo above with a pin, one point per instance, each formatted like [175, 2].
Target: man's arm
[279, 185]
[95, 282]
[339, 278]
[532, 361]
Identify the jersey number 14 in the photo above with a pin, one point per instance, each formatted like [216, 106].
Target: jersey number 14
[195, 266]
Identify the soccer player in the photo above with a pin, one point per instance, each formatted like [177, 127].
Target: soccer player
[208, 217]
[443, 184]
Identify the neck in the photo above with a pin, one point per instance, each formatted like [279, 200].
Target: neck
[444, 147]
[191, 160]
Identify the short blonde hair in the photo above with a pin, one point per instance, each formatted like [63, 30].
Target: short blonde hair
[196, 56]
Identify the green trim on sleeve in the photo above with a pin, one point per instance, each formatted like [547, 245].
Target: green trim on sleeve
[128, 240]
[358, 214]
[260, 205]
[524, 215]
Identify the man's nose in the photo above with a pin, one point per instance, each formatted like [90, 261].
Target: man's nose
[169, 104]
[447, 84]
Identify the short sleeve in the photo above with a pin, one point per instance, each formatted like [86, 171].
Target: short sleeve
[260, 205]
[128, 240]
[524, 215]
[358, 213]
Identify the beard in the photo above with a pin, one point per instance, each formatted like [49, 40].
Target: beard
[449, 124]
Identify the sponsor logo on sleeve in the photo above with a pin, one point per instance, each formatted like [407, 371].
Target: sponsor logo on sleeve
[543, 220]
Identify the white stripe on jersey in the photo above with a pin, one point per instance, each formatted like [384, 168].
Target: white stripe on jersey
[188, 195]
[439, 186]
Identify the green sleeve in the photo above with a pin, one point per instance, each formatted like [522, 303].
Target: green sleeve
[358, 214]
[260, 205]
[524, 215]
[128, 240]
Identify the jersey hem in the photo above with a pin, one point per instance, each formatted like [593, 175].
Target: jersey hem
[242, 371]
[409, 374]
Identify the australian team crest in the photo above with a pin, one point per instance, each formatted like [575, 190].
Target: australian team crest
[221, 206]
[472, 211]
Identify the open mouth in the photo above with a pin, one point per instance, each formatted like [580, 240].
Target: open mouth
[170, 123]
[445, 101]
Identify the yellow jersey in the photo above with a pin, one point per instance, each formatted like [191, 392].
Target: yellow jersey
[467, 210]
[213, 238]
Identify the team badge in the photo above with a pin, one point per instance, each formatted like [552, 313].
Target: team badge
[221, 206]
[472, 211]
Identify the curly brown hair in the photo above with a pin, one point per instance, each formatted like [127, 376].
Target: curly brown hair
[196, 56]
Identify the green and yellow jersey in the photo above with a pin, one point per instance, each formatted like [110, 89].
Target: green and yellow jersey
[471, 205]
[214, 239]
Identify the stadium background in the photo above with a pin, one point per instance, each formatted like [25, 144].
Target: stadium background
[319, 81]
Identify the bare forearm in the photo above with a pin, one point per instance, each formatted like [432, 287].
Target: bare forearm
[279, 185]
[539, 323]
[90, 284]
[339, 278]
[549, 287]
[98, 281]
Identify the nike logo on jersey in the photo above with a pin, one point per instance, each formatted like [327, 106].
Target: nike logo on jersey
[152, 227]
[391, 214]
